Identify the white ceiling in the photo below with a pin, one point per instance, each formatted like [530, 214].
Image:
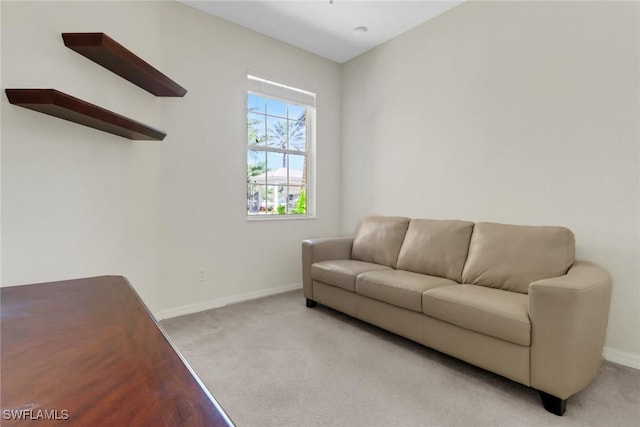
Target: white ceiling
[325, 28]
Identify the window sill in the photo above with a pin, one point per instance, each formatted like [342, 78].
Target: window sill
[251, 218]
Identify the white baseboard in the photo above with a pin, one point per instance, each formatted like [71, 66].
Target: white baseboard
[621, 357]
[221, 302]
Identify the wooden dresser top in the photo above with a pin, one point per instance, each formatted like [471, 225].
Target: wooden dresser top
[88, 352]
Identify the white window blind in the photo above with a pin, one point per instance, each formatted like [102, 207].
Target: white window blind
[280, 91]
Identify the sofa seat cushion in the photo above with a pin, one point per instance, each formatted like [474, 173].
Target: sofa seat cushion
[398, 287]
[500, 314]
[342, 272]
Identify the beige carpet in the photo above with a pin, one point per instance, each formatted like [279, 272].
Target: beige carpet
[274, 362]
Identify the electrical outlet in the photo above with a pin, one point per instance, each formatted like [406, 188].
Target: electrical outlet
[203, 274]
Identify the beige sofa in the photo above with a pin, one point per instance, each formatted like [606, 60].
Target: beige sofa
[507, 298]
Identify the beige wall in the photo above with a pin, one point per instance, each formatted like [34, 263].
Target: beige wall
[204, 202]
[79, 202]
[517, 112]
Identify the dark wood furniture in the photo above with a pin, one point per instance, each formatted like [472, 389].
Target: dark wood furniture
[103, 50]
[67, 107]
[88, 353]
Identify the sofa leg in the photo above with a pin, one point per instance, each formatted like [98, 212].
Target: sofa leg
[553, 404]
[311, 303]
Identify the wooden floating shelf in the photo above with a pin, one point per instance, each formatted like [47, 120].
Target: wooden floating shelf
[107, 52]
[61, 105]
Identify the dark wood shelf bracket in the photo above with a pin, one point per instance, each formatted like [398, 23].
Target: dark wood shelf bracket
[61, 105]
[105, 51]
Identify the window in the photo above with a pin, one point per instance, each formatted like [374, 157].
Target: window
[280, 133]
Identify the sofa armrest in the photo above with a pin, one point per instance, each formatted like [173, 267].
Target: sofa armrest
[569, 317]
[327, 248]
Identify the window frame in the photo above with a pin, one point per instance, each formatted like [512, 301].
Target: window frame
[308, 153]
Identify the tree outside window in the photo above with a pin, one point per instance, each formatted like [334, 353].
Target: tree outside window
[277, 156]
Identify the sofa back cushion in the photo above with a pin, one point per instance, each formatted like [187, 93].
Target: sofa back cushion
[436, 247]
[378, 239]
[510, 257]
